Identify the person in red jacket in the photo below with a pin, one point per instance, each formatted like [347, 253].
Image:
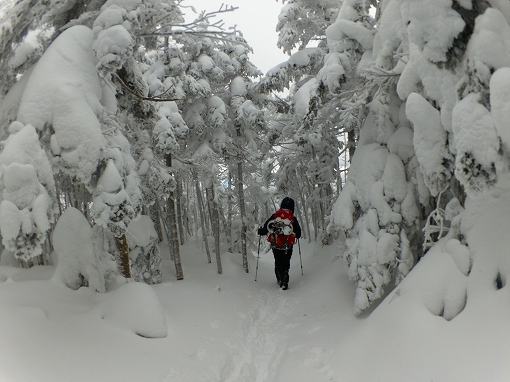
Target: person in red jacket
[282, 242]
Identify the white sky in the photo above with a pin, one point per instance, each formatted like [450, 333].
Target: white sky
[257, 20]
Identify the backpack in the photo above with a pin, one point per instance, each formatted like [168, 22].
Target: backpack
[281, 233]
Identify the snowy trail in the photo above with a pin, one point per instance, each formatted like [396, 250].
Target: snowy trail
[258, 347]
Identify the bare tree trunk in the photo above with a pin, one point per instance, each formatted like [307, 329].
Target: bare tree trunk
[306, 218]
[186, 210]
[223, 221]
[200, 205]
[167, 232]
[229, 213]
[154, 213]
[36, 260]
[242, 210]
[122, 246]
[313, 207]
[209, 210]
[215, 222]
[180, 220]
[351, 143]
[173, 237]
[323, 201]
[195, 221]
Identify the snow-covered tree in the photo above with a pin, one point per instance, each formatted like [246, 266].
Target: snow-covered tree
[468, 58]
[327, 101]
[144, 251]
[381, 205]
[123, 94]
[302, 21]
[432, 146]
[27, 205]
[69, 98]
[84, 255]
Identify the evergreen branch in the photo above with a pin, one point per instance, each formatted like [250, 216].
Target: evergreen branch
[189, 32]
[143, 98]
[213, 35]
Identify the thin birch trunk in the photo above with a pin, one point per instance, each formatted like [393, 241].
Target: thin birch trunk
[172, 228]
[229, 213]
[197, 224]
[242, 209]
[323, 215]
[209, 209]
[180, 221]
[223, 221]
[186, 211]
[313, 210]
[202, 218]
[305, 212]
[215, 222]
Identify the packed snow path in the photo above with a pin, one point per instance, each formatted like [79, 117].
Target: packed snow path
[260, 344]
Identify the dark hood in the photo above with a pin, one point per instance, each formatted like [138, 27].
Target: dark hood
[288, 203]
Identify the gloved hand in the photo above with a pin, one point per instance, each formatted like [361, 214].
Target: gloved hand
[259, 231]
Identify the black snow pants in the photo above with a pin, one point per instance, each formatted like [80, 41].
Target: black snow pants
[282, 265]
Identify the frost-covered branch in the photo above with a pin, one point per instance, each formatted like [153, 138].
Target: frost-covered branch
[143, 98]
[204, 16]
[435, 225]
[214, 35]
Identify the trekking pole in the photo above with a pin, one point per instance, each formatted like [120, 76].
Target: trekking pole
[300, 260]
[258, 255]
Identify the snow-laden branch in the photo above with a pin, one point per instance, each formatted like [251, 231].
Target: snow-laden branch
[143, 98]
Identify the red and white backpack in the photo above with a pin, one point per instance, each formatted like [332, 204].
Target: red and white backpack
[281, 233]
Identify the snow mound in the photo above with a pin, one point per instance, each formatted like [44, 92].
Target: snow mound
[453, 296]
[136, 307]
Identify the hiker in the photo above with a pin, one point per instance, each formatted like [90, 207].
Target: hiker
[283, 229]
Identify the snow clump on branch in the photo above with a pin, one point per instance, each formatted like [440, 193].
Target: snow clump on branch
[28, 191]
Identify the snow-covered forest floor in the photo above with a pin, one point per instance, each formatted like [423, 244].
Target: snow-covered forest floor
[220, 327]
[232, 328]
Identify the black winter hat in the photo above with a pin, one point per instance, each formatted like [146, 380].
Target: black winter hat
[288, 203]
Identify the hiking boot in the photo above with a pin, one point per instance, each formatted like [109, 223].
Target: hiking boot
[285, 281]
[278, 278]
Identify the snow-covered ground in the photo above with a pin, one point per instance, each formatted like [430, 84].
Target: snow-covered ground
[229, 327]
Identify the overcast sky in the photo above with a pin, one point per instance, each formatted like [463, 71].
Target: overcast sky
[257, 20]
